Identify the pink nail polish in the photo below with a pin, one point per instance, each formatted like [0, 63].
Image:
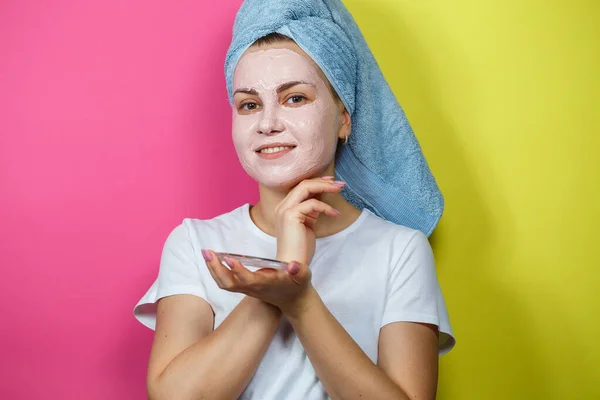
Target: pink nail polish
[294, 268]
[206, 254]
[338, 183]
[229, 262]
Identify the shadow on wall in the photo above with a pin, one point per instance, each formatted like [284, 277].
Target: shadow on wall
[495, 353]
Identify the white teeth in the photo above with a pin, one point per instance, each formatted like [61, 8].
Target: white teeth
[275, 149]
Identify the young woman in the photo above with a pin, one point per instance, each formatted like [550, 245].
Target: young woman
[358, 313]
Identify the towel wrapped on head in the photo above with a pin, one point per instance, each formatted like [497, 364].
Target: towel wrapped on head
[382, 164]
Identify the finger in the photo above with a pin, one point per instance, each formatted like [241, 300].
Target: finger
[310, 220]
[221, 275]
[242, 274]
[210, 267]
[313, 188]
[307, 188]
[326, 179]
[299, 272]
[312, 206]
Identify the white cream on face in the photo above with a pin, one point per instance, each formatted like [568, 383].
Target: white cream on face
[311, 126]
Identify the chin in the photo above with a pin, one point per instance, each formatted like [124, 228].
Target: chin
[285, 182]
[280, 184]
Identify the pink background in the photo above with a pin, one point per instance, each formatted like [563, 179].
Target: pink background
[114, 126]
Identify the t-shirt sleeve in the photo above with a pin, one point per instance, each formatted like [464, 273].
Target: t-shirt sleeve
[414, 293]
[178, 274]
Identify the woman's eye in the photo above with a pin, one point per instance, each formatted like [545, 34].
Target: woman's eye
[295, 99]
[249, 106]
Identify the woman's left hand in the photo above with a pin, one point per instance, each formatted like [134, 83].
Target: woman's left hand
[286, 289]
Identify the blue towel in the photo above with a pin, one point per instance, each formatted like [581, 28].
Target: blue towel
[382, 163]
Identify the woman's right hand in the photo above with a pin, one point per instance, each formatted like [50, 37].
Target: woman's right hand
[296, 216]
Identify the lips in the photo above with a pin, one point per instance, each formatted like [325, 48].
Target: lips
[274, 155]
[264, 146]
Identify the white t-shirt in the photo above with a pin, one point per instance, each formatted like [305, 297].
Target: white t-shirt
[371, 274]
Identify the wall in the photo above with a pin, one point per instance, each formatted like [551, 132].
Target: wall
[114, 125]
[504, 97]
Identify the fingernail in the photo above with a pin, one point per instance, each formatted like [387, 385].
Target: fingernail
[294, 268]
[229, 262]
[338, 183]
[328, 177]
[206, 254]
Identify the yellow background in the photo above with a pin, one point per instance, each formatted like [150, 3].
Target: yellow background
[504, 98]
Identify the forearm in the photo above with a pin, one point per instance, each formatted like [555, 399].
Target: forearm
[343, 368]
[221, 364]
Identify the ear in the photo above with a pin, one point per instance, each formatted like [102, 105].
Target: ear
[345, 125]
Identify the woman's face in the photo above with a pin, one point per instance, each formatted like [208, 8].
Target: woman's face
[282, 98]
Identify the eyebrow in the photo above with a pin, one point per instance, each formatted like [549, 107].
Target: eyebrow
[280, 88]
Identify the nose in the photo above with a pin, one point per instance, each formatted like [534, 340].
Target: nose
[270, 122]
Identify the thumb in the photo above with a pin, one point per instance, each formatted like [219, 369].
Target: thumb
[299, 272]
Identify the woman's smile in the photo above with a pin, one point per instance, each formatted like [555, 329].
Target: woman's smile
[271, 153]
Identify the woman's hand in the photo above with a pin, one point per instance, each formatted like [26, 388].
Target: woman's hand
[296, 216]
[289, 290]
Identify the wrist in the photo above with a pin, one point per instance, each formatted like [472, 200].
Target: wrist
[286, 258]
[262, 308]
[301, 305]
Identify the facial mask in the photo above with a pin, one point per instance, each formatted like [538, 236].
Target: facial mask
[310, 125]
